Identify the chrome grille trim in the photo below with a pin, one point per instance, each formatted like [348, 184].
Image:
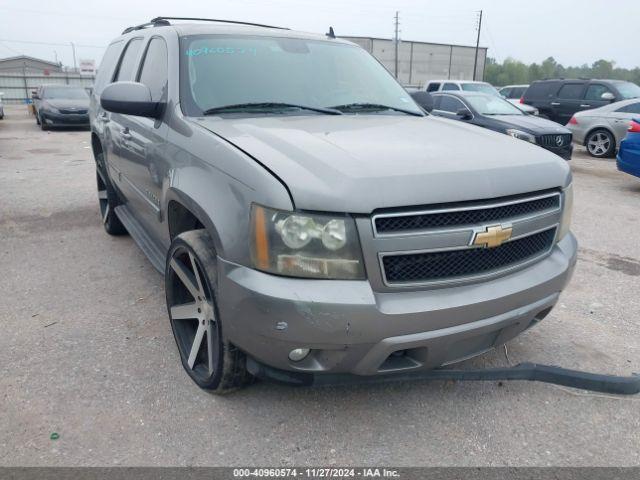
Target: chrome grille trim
[475, 206]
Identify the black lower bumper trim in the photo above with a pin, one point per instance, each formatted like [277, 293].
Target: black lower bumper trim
[525, 371]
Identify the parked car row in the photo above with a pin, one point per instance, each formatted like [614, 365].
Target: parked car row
[597, 113]
[497, 114]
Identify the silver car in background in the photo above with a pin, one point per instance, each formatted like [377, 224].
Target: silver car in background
[602, 129]
[513, 94]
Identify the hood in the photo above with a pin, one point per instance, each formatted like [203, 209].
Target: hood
[359, 163]
[68, 103]
[530, 123]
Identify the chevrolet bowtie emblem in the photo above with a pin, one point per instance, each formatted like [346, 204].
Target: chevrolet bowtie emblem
[492, 236]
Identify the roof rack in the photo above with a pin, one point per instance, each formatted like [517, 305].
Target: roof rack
[156, 22]
[164, 21]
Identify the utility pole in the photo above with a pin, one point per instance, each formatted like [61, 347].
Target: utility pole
[396, 44]
[75, 65]
[475, 62]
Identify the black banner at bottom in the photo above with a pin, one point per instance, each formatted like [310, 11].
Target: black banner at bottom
[401, 473]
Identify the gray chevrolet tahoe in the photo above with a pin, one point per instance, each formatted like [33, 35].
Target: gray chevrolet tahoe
[308, 217]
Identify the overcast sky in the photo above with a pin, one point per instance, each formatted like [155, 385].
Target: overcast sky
[572, 31]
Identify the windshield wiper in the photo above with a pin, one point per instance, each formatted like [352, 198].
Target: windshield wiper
[373, 107]
[270, 106]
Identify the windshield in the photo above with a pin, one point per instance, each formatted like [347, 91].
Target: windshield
[480, 87]
[628, 90]
[489, 105]
[221, 70]
[67, 93]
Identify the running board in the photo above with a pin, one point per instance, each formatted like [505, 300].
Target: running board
[140, 236]
[525, 371]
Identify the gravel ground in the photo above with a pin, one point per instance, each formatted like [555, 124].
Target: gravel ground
[86, 350]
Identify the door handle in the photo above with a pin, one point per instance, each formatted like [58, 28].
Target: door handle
[585, 106]
[555, 104]
[125, 134]
[103, 117]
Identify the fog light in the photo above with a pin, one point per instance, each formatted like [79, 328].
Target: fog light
[298, 354]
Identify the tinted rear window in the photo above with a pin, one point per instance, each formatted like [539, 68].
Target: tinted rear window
[571, 91]
[542, 89]
[633, 108]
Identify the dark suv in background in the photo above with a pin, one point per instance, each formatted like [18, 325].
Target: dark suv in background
[559, 99]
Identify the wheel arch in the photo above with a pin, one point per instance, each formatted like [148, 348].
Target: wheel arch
[600, 127]
[183, 213]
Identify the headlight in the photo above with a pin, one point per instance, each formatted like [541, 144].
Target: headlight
[305, 245]
[520, 135]
[50, 108]
[567, 210]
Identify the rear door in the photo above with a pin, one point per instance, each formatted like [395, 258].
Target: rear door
[568, 101]
[117, 128]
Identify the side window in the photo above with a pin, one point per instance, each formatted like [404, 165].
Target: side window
[154, 73]
[127, 67]
[571, 91]
[450, 104]
[450, 86]
[595, 91]
[108, 63]
[633, 108]
[433, 87]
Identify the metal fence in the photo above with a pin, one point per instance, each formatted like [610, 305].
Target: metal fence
[17, 87]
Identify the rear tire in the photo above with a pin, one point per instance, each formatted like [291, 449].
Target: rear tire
[209, 359]
[43, 125]
[108, 200]
[601, 144]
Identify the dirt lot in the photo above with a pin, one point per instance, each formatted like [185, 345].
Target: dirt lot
[86, 349]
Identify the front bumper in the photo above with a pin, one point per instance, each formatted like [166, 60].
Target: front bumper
[52, 119]
[565, 152]
[352, 329]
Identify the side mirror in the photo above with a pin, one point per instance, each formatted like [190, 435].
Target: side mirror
[610, 97]
[464, 114]
[35, 96]
[424, 99]
[130, 98]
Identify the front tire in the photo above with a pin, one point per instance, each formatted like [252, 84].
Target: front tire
[191, 289]
[601, 144]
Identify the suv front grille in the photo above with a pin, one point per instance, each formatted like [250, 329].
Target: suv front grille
[553, 141]
[470, 262]
[468, 215]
